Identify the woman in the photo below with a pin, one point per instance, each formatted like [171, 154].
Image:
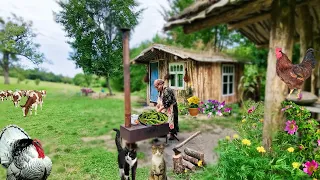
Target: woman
[167, 104]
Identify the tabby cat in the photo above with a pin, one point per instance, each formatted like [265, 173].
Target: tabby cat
[158, 164]
[127, 158]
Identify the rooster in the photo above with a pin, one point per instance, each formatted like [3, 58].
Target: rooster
[295, 74]
[22, 156]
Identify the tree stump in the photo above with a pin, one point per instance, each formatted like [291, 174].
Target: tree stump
[189, 165]
[178, 167]
[194, 153]
[191, 159]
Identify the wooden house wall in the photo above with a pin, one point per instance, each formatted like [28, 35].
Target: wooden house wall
[205, 78]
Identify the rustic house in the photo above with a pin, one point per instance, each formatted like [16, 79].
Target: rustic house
[210, 75]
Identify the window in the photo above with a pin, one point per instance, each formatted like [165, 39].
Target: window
[176, 71]
[227, 79]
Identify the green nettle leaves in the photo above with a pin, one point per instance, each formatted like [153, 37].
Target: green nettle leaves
[17, 39]
[94, 29]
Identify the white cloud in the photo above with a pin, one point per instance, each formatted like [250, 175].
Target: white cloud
[52, 38]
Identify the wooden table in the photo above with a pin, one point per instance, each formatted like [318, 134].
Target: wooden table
[315, 110]
[140, 132]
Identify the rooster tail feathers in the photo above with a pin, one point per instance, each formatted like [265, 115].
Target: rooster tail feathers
[310, 57]
[8, 136]
[117, 140]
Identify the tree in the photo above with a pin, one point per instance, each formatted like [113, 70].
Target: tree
[93, 26]
[16, 39]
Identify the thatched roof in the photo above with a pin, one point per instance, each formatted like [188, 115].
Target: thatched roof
[252, 18]
[151, 52]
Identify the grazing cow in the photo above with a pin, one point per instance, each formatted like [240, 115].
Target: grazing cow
[43, 93]
[9, 94]
[23, 92]
[34, 99]
[16, 98]
[3, 95]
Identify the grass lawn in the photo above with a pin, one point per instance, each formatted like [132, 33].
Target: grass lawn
[66, 118]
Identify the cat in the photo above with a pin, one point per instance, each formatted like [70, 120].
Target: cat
[158, 164]
[127, 158]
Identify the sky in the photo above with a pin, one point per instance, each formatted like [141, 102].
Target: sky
[51, 36]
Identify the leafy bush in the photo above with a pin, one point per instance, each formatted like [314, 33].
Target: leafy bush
[21, 78]
[183, 109]
[37, 81]
[294, 152]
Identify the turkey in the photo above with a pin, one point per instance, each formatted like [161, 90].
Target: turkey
[22, 156]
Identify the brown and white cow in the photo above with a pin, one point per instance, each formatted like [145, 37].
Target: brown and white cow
[16, 97]
[43, 93]
[3, 95]
[9, 94]
[34, 99]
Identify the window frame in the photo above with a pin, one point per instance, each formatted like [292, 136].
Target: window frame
[176, 75]
[228, 75]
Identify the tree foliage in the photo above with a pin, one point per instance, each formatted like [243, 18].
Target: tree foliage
[93, 26]
[17, 39]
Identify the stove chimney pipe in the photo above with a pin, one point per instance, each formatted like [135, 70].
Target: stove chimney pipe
[126, 72]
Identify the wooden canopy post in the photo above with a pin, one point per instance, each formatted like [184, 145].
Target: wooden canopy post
[126, 72]
[281, 35]
[305, 26]
[315, 85]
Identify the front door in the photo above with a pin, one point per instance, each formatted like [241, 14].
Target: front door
[154, 74]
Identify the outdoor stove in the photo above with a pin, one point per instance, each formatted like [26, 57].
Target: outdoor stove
[133, 133]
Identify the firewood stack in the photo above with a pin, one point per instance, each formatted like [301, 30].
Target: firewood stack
[189, 160]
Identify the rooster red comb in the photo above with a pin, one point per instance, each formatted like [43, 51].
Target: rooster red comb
[278, 49]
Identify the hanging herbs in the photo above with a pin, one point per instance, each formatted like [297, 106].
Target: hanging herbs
[186, 78]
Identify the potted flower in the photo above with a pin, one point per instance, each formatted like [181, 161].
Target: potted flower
[193, 105]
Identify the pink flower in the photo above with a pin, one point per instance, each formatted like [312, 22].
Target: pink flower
[318, 142]
[251, 109]
[285, 108]
[291, 127]
[201, 102]
[219, 113]
[171, 126]
[310, 167]
[221, 105]
[227, 110]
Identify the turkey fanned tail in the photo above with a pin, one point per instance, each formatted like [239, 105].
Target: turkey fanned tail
[35, 169]
[8, 136]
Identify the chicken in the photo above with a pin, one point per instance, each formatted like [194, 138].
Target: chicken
[22, 156]
[295, 74]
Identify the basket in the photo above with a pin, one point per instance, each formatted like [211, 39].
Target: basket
[151, 124]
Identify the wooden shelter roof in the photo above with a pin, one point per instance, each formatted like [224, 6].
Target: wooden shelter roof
[252, 18]
[151, 52]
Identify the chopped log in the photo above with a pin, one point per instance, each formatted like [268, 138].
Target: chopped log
[189, 165]
[178, 167]
[175, 149]
[194, 153]
[190, 159]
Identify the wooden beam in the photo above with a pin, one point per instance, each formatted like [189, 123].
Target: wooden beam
[281, 35]
[233, 14]
[316, 71]
[305, 29]
[249, 21]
